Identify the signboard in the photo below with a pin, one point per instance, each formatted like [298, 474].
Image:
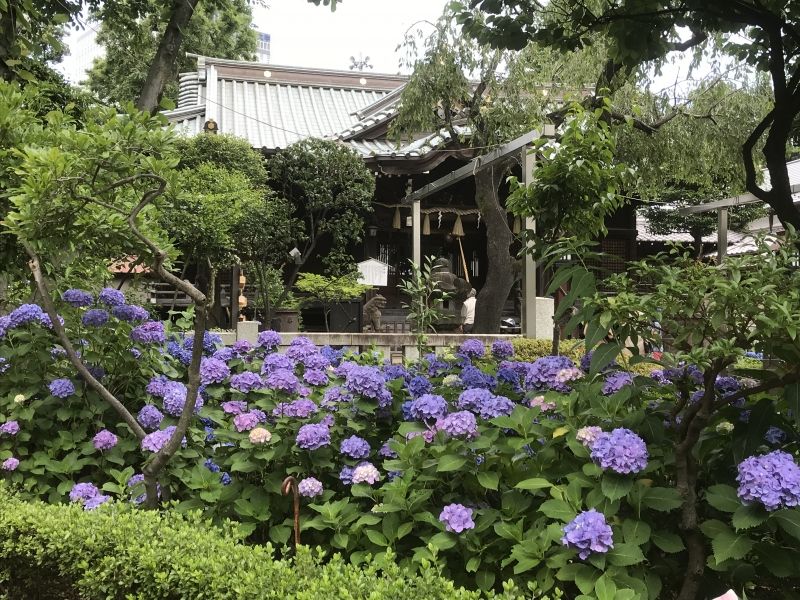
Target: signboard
[373, 272]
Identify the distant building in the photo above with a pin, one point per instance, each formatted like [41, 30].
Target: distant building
[83, 50]
[262, 49]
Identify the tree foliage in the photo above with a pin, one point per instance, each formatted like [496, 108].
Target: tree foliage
[219, 28]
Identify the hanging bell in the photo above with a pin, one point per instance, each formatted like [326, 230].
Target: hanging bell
[396, 219]
[426, 225]
[458, 227]
[517, 227]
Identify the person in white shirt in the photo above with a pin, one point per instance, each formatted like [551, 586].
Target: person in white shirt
[468, 312]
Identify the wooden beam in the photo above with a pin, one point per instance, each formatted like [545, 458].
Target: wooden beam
[476, 164]
[747, 198]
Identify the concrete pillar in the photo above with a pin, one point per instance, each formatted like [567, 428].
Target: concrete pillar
[416, 233]
[529, 317]
[212, 97]
[248, 331]
[722, 234]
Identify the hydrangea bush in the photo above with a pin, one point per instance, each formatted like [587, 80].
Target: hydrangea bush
[532, 471]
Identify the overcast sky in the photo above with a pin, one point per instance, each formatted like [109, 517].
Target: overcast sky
[312, 36]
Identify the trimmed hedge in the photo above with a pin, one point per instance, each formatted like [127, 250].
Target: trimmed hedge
[61, 552]
[529, 349]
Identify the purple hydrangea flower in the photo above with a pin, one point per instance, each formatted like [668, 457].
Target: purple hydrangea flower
[774, 435]
[242, 347]
[213, 370]
[300, 347]
[158, 439]
[333, 356]
[78, 298]
[366, 381]
[95, 501]
[149, 417]
[457, 518]
[315, 360]
[111, 297]
[175, 399]
[419, 386]
[727, 385]
[104, 440]
[543, 373]
[496, 406]
[459, 424]
[346, 475]
[366, 472]
[224, 354]
[428, 406]
[772, 479]
[130, 313]
[472, 348]
[157, 386]
[435, 365]
[10, 464]
[309, 487]
[211, 341]
[211, 466]
[588, 435]
[95, 317]
[316, 377]
[473, 377]
[273, 362]
[355, 447]
[61, 388]
[246, 421]
[9, 428]
[177, 351]
[334, 396]
[473, 398]
[588, 533]
[25, 313]
[502, 349]
[81, 492]
[150, 332]
[269, 340]
[5, 325]
[301, 409]
[615, 381]
[246, 382]
[660, 377]
[386, 451]
[313, 436]
[622, 451]
[234, 407]
[283, 380]
[391, 372]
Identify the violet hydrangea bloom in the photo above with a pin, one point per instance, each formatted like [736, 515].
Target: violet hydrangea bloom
[213, 370]
[502, 349]
[309, 487]
[615, 381]
[542, 374]
[10, 464]
[419, 386]
[335, 396]
[333, 356]
[774, 435]
[130, 313]
[366, 381]
[224, 354]
[283, 380]
[158, 439]
[149, 332]
[391, 372]
[78, 298]
[5, 325]
[111, 297]
[313, 436]
[346, 475]
[457, 518]
[95, 317]
[588, 533]
[386, 451]
[472, 348]
[355, 447]
[428, 406]
[316, 377]
[471, 399]
[175, 399]
[459, 424]
[234, 407]
[95, 501]
[104, 440]
[301, 409]
[588, 435]
[473, 377]
[246, 382]
[246, 421]
[269, 340]
[157, 386]
[366, 472]
[242, 347]
[772, 479]
[25, 313]
[273, 362]
[9, 428]
[81, 492]
[315, 360]
[61, 388]
[150, 417]
[622, 451]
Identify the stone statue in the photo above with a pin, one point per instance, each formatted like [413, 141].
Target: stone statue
[455, 286]
[372, 313]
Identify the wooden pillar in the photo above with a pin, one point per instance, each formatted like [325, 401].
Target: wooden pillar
[416, 233]
[722, 234]
[529, 272]
[235, 296]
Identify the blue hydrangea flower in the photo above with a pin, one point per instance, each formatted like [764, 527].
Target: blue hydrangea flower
[775, 435]
[543, 373]
[300, 348]
[225, 479]
[246, 382]
[213, 370]
[104, 440]
[457, 518]
[391, 372]
[81, 492]
[5, 325]
[588, 533]
[316, 377]
[25, 313]
[150, 332]
[111, 297]
[727, 385]
[301, 409]
[622, 451]
[309, 487]
[418, 386]
[772, 479]
[61, 388]
[4, 365]
[472, 348]
[355, 447]
[436, 366]
[346, 475]
[335, 396]
[615, 381]
[78, 298]
[150, 417]
[315, 360]
[313, 436]
[130, 313]
[366, 381]
[333, 356]
[502, 349]
[283, 380]
[428, 406]
[273, 362]
[175, 399]
[211, 341]
[177, 351]
[269, 340]
[459, 424]
[211, 466]
[224, 354]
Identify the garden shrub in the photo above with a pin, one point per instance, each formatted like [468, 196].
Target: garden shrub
[529, 349]
[120, 552]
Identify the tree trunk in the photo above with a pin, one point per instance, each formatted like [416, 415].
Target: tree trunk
[697, 245]
[163, 64]
[500, 271]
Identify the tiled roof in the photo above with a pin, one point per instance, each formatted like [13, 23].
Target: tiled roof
[644, 234]
[763, 224]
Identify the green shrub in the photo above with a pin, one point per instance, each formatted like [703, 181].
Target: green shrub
[57, 551]
[528, 350]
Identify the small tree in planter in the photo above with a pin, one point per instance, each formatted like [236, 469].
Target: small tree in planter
[330, 291]
[425, 298]
[87, 192]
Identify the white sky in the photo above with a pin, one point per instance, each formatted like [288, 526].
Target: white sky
[307, 35]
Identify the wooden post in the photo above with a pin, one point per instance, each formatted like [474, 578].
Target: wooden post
[416, 233]
[529, 273]
[234, 296]
[722, 234]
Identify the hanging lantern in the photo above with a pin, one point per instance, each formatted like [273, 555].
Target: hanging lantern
[517, 227]
[458, 227]
[396, 219]
[426, 225]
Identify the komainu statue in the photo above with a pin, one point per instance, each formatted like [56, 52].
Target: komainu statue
[372, 313]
